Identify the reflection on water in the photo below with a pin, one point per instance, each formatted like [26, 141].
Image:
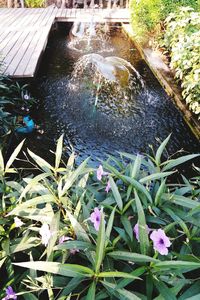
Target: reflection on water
[128, 123]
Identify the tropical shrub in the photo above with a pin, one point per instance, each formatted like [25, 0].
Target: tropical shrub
[14, 100]
[146, 14]
[128, 230]
[35, 3]
[182, 40]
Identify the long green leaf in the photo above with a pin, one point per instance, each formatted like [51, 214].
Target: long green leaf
[175, 162]
[32, 183]
[68, 270]
[155, 176]
[160, 150]
[181, 200]
[74, 176]
[91, 292]
[81, 235]
[127, 226]
[121, 283]
[75, 245]
[116, 193]
[120, 292]
[33, 202]
[110, 225]
[58, 154]
[100, 248]
[143, 234]
[159, 193]
[73, 283]
[130, 256]
[43, 164]
[138, 186]
[13, 156]
[164, 290]
[117, 274]
[136, 167]
[1, 162]
[54, 227]
[180, 265]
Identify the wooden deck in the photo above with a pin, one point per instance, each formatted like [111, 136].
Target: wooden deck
[24, 33]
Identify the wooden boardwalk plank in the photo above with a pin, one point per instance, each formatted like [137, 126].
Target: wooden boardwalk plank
[24, 33]
[26, 37]
[15, 48]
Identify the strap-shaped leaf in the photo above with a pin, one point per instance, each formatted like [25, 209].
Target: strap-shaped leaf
[143, 234]
[160, 150]
[116, 193]
[43, 164]
[100, 248]
[58, 154]
[13, 156]
[91, 292]
[68, 270]
[130, 256]
[176, 162]
[122, 293]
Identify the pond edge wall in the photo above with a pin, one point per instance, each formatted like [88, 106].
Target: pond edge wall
[165, 77]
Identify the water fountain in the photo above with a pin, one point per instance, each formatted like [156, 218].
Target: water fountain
[113, 82]
[89, 37]
[131, 110]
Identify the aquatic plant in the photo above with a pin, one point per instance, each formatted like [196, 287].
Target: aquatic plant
[56, 252]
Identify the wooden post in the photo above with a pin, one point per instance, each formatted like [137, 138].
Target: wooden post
[85, 4]
[22, 3]
[92, 4]
[127, 3]
[121, 3]
[16, 4]
[62, 3]
[109, 4]
[9, 3]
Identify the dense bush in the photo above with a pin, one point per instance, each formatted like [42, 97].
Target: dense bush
[13, 99]
[182, 40]
[123, 231]
[146, 14]
[35, 3]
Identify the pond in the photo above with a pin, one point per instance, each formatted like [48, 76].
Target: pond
[125, 119]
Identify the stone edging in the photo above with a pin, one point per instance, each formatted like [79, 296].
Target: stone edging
[166, 79]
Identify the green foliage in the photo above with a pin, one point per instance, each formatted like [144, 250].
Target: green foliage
[109, 263]
[182, 40]
[146, 14]
[12, 100]
[35, 3]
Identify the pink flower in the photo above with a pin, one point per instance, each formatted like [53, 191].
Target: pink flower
[100, 173]
[136, 231]
[18, 222]
[108, 187]
[10, 294]
[45, 234]
[64, 238]
[95, 218]
[74, 251]
[160, 241]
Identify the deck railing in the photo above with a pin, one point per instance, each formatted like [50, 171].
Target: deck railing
[77, 3]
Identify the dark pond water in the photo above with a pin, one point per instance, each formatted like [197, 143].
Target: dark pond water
[99, 131]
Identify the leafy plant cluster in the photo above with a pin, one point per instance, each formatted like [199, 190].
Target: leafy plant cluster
[78, 233]
[146, 14]
[14, 98]
[182, 40]
[35, 3]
